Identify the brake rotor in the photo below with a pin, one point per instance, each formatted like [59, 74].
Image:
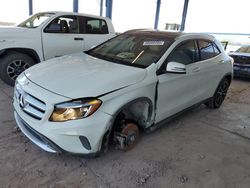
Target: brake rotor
[131, 132]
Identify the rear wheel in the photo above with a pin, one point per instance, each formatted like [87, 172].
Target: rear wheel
[219, 94]
[12, 65]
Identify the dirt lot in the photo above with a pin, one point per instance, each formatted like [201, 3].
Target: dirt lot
[201, 148]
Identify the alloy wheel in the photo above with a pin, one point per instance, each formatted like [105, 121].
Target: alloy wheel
[16, 67]
[221, 93]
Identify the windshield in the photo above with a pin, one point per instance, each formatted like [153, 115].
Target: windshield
[134, 49]
[35, 20]
[244, 49]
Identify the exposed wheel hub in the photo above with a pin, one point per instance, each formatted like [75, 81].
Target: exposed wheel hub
[128, 136]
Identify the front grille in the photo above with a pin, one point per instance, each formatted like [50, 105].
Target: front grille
[30, 104]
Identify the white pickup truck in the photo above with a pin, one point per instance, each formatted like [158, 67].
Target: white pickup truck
[47, 35]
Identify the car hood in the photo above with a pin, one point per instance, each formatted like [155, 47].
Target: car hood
[80, 75]
[10, 34]
[11, 29]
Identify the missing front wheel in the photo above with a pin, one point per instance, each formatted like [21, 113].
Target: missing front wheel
[127, 138]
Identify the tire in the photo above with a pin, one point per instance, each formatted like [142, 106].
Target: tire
[219, 95]
[13, 64]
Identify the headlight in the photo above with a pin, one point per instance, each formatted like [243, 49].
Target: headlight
[76, 109]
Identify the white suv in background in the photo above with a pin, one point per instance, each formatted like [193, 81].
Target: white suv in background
[136, 81]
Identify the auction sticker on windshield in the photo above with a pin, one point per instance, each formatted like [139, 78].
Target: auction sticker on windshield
[153, 43]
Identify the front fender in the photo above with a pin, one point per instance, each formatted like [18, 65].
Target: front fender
[29, 40]
[114, 103]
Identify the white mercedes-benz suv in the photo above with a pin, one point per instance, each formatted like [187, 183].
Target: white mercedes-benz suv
[80, 103]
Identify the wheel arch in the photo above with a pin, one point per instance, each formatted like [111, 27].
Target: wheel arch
[27, 51]
[140, 99]
[107, 135]
[229, 77]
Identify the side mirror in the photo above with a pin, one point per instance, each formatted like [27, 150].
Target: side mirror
[177, 68]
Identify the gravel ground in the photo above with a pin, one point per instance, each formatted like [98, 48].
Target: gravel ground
[201, 148]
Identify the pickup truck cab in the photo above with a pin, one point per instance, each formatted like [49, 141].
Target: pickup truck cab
[47, 35]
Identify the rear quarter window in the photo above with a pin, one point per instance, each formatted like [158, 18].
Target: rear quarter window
[216, 49]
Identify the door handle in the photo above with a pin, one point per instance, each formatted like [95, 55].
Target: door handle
[78, 38]
[196, 69]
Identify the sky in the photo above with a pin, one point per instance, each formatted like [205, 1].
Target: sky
[203, 15]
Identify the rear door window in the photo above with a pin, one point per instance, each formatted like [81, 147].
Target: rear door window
[185, 53]
[95, 26]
